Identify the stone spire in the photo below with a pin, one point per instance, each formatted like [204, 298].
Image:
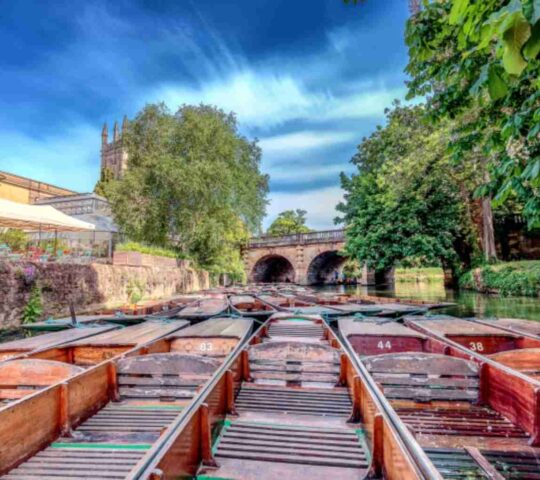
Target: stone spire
[104, 134]
[124, 124]
[115, 132]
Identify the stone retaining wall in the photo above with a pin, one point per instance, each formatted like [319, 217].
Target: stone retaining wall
[88, 286]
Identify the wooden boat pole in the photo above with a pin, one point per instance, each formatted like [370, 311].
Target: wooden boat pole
[246, 374]
[64, 424]
[114, 395]
[343, 370]
[229, 392]
[377, 461]
[206, 437]
[356, 412]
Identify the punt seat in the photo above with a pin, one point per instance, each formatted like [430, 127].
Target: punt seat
[166, 376]
[438, 394]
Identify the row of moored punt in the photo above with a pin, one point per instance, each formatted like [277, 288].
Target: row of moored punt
[426, 397]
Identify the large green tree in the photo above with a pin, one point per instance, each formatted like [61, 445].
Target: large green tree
[288, 223]
[407, 202]
[479, 60]
[193, 183]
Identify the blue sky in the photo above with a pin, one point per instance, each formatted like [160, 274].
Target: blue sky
[309, 78]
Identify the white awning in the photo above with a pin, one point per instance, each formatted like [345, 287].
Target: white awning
[38, 217]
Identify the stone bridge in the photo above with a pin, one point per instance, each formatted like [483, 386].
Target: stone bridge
[303, 258]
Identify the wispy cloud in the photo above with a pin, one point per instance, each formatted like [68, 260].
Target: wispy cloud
[303, 141]
[309, 94]
[268, 99]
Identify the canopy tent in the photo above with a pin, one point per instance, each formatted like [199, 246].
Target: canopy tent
[38, 218]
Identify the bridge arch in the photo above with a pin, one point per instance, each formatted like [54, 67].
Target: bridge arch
[273, 268]
[323, 267]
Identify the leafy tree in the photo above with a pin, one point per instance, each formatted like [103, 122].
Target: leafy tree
[479, 60]
[289, 222]
[104, 179]
[193, 183]
[406, 201]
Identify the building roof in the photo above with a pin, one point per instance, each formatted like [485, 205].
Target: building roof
[25, 182]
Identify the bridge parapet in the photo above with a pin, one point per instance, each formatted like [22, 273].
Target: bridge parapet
[324, 236]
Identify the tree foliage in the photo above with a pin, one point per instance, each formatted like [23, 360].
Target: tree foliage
[406, 202]
[479, 60]
[193, 183]
[105, 177]
[288, 223]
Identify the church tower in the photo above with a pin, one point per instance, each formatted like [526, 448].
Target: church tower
[114, 155]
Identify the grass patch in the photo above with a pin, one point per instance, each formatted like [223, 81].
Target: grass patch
[419, 275]
[507, 278]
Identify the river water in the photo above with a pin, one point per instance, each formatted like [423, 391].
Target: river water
[468, 303]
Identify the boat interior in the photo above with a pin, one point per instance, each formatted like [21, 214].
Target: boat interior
[473, 419]
[204, 308]
[508, 346]
[32, 371]
[36, 343]
[294, 412]
[99, 422]
[250, 305]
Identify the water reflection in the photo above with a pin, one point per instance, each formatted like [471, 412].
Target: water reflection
[468, 303]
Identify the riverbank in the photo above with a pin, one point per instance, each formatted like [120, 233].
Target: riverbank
[520, 278]
[419, 275]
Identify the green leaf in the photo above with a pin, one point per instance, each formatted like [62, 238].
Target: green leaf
[496, 86]
[532, 47]
[531, 10]
[481, 81]
[459, 7]
[514, 37]
[531, 171]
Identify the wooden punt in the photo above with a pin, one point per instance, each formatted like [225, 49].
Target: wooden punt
[250, 306]
[375, 336]
[90, 351]
[287, 406]
[84, 352]
[58, 324]
[204, 308]
[475, 419]
[334, 301]
[291, 303]
[100, 422]
[49, 340]
[522, 353]
[477, 337]
[375, 299]
[515, 325]
[282, 302]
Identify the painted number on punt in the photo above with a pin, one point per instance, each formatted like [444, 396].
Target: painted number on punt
[206, 347]
[384, 345]
[476, 346]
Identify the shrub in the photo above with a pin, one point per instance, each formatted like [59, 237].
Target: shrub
[135, 291]
[34, 308]
[148, 249]
[14, 239]
[511, 278]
